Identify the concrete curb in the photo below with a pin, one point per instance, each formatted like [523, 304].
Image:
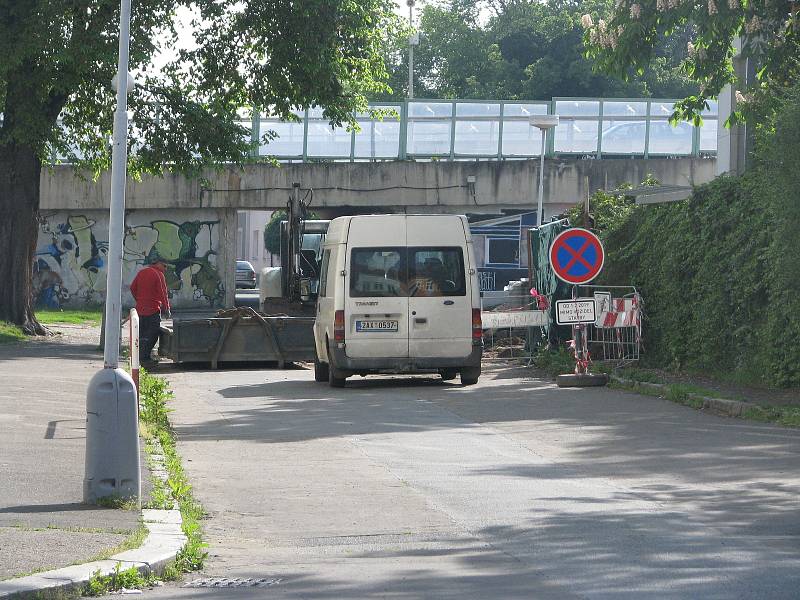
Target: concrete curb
[159, 549]
[721, 406]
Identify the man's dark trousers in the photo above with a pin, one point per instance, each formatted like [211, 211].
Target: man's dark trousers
[149, 330]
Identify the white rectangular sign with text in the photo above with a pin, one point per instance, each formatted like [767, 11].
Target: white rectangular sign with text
[571, 312]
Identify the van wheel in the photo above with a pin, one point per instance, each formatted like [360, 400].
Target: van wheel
[470, 376]
[448, 374]
[321, 370]
[336, 378]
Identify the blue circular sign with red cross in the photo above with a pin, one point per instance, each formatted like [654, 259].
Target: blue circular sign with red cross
[577, 256]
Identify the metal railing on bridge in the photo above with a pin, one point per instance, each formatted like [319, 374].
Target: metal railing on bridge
[490, 130]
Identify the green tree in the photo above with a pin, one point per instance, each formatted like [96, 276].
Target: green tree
[629, 34]
[57, 59]
[521, 49]
[272, 232]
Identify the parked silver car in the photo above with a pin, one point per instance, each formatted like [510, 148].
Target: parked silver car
[245, 275]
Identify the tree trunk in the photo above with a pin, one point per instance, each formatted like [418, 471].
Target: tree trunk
[20, 168]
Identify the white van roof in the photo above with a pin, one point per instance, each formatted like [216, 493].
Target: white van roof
[339, 227]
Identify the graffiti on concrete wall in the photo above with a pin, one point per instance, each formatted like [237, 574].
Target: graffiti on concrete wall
[189, 250]
[70, 261]
[69, 267]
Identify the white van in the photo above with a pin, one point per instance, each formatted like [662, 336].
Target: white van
[398, 294]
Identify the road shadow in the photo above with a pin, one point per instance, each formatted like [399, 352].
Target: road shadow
[51, 508]
[315, 390]
[166, 367]
[50, 349]
[619, 434]
[629, 556]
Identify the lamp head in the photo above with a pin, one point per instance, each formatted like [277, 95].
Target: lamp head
[543, 121]
[130, 83]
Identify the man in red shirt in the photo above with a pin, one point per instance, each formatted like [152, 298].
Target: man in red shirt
[149, 289]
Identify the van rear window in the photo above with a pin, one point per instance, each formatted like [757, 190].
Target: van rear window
[377, 272]
[436, 272]
[403, 272]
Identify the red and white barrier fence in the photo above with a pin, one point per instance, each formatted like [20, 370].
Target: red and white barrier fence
[615, 337]
[619, 312]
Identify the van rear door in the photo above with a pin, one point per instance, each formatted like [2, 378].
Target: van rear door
[376, 299]
[440, 300]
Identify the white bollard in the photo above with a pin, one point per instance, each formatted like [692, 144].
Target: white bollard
[113, 466]
[134, 341]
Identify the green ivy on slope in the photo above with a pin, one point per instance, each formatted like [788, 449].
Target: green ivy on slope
[720, 272]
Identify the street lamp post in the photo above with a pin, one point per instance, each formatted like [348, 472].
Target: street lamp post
[112, 467]
[543, 123]
[413, 40]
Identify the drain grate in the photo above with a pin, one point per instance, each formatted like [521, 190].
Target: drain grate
[231, 582]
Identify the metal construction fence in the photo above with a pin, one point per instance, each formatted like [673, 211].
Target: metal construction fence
[616, 336]
[513, 324]
[509, 318]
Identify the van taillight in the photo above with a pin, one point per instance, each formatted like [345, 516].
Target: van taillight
[338, 326]
[477, 325]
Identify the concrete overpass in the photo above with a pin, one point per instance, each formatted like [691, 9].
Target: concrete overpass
[194, 226]
[409, 186]
[458, 156]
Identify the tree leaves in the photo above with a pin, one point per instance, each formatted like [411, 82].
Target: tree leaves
[518, 49]
[768, 31]
[268, 55]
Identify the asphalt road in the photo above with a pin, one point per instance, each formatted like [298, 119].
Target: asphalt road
[412, 488]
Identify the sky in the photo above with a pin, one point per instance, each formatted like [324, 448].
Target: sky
[184, 18]
[402, 9]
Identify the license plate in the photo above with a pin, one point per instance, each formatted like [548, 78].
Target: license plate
[371, 326]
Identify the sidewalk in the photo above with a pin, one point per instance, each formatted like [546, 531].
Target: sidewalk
[43, 523]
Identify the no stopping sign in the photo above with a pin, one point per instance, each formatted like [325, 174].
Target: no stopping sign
[577, 256]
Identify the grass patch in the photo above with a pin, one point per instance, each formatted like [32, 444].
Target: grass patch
[11, 333]
[51, 527]
[159, 438]
[133, 541]
[689, 388]
[644, 391]
[788, 416]
[683, 394]
[554, 362]
[118, 502]
[638, 374]
[51, 316]
[562, 361]
[129, 579]
[692, 396]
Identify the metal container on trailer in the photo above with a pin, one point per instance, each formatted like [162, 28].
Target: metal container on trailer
[239, 335]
